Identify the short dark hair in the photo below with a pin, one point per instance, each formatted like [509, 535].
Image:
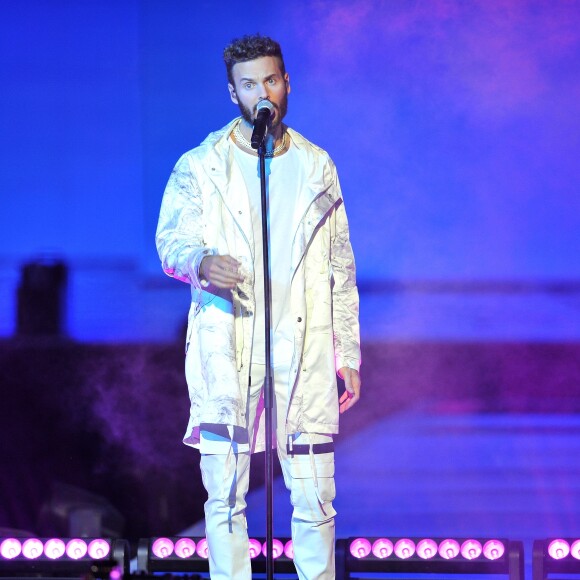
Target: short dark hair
[251, 47]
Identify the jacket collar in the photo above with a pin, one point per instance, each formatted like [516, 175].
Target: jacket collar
[219, 149]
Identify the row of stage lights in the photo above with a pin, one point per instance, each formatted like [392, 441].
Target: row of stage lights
[381, 554]
[427, 548]
[359, 548]
[381, 548]
[65, 557]
[188, 548]
[54, 548]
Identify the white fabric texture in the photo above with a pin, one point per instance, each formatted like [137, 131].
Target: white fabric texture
[285, 176]
[309, 478]
[205, 208]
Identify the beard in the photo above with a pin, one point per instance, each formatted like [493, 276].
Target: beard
[249, 115]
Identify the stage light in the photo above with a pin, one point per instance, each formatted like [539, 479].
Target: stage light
[202, 549]
[430, 555]
[493, 549]
[382, 548]
[76, 549]
[10, 548]
[555, 556]
[449, 549]
[277, 548]
[185, 547]
[427, 549]
[54, 548]
[47, 557]
[471, 549]
[360, 548]
[255, 548]
[404, 548]
[190, 555]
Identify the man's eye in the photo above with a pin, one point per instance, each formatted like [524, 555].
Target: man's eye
[272, 81]
[248, 85]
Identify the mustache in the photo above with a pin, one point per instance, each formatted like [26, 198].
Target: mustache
[276, 107]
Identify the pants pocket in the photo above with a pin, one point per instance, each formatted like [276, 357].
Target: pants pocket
[312, 487]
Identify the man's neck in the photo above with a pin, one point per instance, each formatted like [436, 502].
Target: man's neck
[273, 138]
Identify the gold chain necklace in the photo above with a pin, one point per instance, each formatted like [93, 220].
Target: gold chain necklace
[243, 141]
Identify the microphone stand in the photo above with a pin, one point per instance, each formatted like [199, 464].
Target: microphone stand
[268, 381]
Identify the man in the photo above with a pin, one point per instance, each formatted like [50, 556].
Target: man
[209, 235]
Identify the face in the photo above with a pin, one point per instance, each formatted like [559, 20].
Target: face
[256, 80]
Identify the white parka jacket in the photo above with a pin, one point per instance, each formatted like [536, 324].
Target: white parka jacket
[205, 210]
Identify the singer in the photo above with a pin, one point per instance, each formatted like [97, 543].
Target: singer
[209, 236]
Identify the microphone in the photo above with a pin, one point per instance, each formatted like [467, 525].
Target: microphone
[265, 112]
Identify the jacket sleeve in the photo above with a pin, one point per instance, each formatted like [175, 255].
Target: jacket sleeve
[179, 236]
[345, 300]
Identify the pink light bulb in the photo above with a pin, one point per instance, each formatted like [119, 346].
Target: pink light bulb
[448, 549]
[202, 549]
[426, 549]
[277, 548]
[185, 548]
[255, 548]
[493, 549]
[289, 550]
[10, 548]
[404, 548]
[382, 548]
[162, 547]
[558, 549]
[54, 548]
[99, 549]
[76, 549]
[575, 549]
[32, 548]
[360, 548]
[471, 549]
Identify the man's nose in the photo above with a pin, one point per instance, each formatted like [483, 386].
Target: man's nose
[264, 93]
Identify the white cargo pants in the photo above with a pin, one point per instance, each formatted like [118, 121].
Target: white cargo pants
[308, 469]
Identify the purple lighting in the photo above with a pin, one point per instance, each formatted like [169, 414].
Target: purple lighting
[471, 549]
[162, 547]
[493, 549]
[360, 548]
[289, 550]
[185, 548]
[99, 549]
[202, 549]
[54, 548]
[558, 549]
[32, 548]
[448, 549]
[404, 548]
[10, 548]
[426, 549]
[76, 549]
[277, 548]
[382, 548]
[575, 549]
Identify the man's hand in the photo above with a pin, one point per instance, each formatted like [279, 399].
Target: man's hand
[221, 271]
[352, 384]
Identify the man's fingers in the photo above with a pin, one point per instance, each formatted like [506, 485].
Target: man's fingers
[352, 385]
[221, 271]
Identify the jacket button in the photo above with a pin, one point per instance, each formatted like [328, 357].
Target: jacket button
[299, 319]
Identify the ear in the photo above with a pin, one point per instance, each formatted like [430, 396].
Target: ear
[233, 95]
[287, 83]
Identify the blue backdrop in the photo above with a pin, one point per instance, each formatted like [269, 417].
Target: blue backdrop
[455, 127]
